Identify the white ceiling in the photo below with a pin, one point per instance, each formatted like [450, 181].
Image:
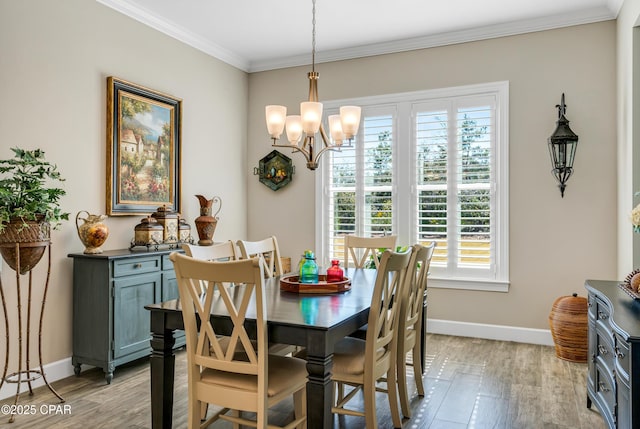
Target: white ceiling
[256, 35]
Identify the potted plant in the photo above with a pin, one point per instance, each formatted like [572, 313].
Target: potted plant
[29, 207]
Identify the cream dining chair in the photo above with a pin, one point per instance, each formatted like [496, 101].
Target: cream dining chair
[361, 248]
[410, 324]
[218, 374]
[220, 251]
[360, 363]
[269, 250]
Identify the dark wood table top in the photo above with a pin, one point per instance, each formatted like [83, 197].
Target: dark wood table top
[311, 311]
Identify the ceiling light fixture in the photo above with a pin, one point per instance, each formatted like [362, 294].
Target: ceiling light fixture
[341, 127]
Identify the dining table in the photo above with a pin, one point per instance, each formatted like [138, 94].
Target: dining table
[315, 321]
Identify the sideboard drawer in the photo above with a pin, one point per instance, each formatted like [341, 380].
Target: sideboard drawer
[132, 266]
[591, 306]
[604, 388]
[622, 355]
[604, 348]
[602, 311]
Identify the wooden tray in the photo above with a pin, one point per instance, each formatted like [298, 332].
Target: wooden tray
[292, 284]
[629, 290]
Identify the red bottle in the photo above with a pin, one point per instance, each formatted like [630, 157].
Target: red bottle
[335, 273]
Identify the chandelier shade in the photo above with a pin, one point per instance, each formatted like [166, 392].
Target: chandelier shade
[341, 127]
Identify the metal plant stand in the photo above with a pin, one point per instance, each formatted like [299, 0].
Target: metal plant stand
[28, 374]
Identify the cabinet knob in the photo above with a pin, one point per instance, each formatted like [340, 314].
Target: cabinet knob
[602, 315]
[603, 350]
[619, 354]
[138, 265]
[603, 387]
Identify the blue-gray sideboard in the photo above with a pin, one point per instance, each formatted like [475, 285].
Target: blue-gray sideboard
[110, 324]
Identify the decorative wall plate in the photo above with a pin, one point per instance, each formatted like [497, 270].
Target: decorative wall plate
[275, 170]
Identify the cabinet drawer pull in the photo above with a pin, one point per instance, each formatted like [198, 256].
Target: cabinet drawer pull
[602, 315]
[603, 350]
[619, 354]
[138, 265]
[603, 387]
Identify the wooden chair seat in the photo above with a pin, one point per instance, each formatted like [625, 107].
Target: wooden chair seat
[349, 355]
[283, 372]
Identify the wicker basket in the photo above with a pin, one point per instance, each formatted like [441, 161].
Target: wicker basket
[569, 327]
[32, 240]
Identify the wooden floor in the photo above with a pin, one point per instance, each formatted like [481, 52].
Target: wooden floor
[470, 383]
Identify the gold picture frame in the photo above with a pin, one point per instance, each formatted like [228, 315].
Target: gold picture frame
[143, 149]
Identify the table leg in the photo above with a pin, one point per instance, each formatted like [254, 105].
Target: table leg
[319, 391]
[162, 363]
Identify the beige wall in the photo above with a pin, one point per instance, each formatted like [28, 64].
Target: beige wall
[628, 93]
[555, 243]
[54, 61]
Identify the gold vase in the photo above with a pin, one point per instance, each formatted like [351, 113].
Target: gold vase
[93, 233]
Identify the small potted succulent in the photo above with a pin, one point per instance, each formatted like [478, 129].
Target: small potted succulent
[29, 207]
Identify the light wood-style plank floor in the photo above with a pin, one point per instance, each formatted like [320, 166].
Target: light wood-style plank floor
[470, 383]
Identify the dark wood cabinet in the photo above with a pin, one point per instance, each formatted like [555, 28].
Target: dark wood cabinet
[613, 380]
[110, 324]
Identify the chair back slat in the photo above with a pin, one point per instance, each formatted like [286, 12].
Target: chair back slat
[220, 251]
[360, 249]
[269, 252]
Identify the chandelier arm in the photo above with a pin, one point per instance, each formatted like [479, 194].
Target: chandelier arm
[325, 139]
[295, 149]
[324, 149]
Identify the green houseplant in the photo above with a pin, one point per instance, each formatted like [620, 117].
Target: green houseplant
[29, 206]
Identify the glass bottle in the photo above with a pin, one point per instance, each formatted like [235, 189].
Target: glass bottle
[309, 270]
[303, 258]
[335, 273]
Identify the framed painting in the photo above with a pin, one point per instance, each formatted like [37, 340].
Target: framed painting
[143, 149]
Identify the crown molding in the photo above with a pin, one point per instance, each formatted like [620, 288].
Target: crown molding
[481, 33]
[146, 17]
[170, 29]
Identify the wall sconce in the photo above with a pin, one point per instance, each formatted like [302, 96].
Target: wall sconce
[562, 148]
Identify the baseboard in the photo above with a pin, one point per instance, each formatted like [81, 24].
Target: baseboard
[490, 332]
[63, 368]
[54, 371]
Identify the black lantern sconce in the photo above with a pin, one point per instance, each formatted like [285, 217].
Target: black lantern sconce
[562, 148]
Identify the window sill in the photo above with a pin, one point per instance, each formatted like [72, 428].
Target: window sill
[466, 284]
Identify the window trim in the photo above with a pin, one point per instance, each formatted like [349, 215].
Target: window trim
[404, 186]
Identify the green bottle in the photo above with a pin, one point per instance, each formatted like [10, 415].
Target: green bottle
[309, 269]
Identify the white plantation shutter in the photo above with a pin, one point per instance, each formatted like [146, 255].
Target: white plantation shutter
[360, 183]
[427, 166]
[454, 152]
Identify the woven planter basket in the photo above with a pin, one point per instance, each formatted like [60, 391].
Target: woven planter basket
[32, 240]
[569, 327]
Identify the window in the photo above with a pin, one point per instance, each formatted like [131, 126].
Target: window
[426, 166]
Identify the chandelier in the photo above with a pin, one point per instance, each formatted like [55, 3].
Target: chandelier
[341, 127]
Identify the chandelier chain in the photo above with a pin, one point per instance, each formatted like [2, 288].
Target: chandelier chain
[313, 36]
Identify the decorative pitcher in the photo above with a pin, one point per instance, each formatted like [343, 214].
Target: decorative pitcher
[206, 222]
[93, 233]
